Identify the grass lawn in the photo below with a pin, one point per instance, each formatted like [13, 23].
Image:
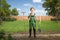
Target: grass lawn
[22, 26]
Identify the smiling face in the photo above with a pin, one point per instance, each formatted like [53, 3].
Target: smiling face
[32, 10]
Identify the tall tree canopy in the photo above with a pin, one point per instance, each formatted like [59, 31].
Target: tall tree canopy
[52, 7]
[4, 8]
[14, 12]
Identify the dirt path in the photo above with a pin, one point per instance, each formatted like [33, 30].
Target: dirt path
[43, 35]
[38, 37]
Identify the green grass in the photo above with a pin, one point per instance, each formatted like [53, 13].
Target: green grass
[21, 26]
[50, 26]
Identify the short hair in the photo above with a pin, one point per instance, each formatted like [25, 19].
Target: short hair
[32, 8]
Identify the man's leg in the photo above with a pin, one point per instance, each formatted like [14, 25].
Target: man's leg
[30, 32]
[34, 31]
[30, 29]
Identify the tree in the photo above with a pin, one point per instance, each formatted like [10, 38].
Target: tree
[52, 7]
[2, 14]
[5, 7]
[4, 10]
[14, 12]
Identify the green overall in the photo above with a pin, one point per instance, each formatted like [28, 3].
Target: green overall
[32, 21]
[32, 24]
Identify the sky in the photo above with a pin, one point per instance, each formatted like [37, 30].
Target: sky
[25, 5]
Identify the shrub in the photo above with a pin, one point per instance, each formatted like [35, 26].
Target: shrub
[2, 34]
[55, 19]
[9, 19]
[0, 21]
[10, 37]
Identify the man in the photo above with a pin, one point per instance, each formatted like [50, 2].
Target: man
[32, 22]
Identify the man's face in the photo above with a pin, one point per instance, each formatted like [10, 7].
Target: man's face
[32, 10]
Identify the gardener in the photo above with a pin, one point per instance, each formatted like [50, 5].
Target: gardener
[32, 22]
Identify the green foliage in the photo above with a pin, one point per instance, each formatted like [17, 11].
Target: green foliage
[2, 34]
[14, 12]
[0, 21]
[3, 37]
[9, 19]
[54, 19]
[5, 11]
[52, 7]
[4, 4]
[2, 12]
[4, 7]
[10, 37]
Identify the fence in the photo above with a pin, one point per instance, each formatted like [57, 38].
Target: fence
[37, 17]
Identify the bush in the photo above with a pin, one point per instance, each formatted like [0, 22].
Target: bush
[9, 19]
[2, 34]
[0, 21]
[10, 37]
[55, 19]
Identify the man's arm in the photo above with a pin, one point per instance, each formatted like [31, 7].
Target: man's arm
[28, 17]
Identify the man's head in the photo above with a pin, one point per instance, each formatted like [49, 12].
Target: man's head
[32, 9]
